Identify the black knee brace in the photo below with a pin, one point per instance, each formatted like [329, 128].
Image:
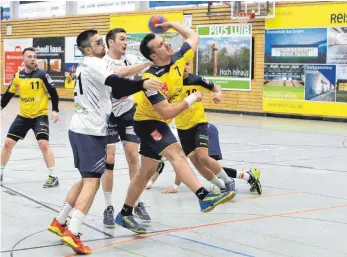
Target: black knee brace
[109, 166]
[160, 167]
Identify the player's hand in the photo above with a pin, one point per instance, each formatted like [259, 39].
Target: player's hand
[152, 85]
[165, 26]
[217, 97]
[169, 191]
[198, 96]
[55, 116]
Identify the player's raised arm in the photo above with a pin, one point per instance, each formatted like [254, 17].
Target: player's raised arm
[131, 70]
[190, 36]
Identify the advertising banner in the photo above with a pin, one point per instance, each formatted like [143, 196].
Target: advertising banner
[306, 61]
[13, 56]
[225, 55]
[51, 57]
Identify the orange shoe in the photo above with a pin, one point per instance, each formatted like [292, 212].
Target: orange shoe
[74, 242]
[56, 228]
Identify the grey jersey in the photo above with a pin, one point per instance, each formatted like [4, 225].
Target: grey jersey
[123, 105]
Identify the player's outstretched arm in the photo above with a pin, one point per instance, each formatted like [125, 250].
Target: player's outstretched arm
[131, 70]
[190, 36]
[122, 87]
[5, 99]
[169, 111]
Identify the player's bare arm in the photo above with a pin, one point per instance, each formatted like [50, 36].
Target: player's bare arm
[169, 111]
[190, 36]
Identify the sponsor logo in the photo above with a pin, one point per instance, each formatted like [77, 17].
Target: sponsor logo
[151, 93]
[27, 99]
[156, 135]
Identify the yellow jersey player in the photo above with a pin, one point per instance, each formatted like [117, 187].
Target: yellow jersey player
[34, 87]
[154, 111]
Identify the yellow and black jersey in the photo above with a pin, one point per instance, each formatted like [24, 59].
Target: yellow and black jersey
[172, 77]
[195, 114]
[34, 89]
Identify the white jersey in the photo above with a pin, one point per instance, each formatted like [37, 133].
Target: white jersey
[123, 105]
[92, 98]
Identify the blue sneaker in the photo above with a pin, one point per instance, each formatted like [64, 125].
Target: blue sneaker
[109, 217]
[141, 213]
[129, 222]
[51, 182]
[212, 200]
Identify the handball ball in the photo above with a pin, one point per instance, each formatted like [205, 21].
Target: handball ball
[153, 21]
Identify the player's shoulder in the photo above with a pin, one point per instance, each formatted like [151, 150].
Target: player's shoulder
[157, 71]
[192, 79]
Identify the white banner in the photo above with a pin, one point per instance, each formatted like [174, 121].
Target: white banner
[91, 7]
[42, 9]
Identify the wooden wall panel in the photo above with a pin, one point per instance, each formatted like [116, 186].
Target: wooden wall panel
[72, 25]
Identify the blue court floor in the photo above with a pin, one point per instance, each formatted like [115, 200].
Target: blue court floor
[302, 211]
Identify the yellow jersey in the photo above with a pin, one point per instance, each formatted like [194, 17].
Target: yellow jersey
[195, 114]
[172, 77]
[33, 91]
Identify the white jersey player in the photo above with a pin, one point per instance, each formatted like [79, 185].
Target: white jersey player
[87, 133]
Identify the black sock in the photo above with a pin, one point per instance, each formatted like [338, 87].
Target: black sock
[230, 172]
[201, 193]
[127, 210]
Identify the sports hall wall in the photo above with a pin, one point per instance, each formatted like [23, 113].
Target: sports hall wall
[250, 100]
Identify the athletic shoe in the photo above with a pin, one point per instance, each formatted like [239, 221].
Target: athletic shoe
[141, 213]
[130, 223]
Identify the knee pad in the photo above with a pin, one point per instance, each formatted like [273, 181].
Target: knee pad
[160, 167]
[109, 166]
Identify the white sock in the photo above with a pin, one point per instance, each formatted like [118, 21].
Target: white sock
[64, 212]
[51, 171]
[242, 174]
[217, 182]
[76, 222]
[108, 199]
[223, 176]
[2, 168]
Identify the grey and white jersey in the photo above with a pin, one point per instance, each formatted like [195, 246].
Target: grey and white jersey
[123, 105]
[92, 98]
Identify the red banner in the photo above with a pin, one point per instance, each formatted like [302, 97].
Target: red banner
[13, 63]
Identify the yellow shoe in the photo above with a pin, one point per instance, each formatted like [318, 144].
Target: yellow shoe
[254, 181]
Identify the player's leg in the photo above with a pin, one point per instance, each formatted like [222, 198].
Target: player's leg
[155, 176]
[202, 142]
[131, 148]
[18, 130]
[40, 127]
[252, 176]
[92, 162]
[107, 177]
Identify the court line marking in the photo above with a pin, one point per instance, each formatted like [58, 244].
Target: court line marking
[98, 248]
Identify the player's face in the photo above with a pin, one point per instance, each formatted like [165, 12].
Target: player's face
[186, 70]
[97, 46]
[120, 44]
[161, 49]
[30, 60]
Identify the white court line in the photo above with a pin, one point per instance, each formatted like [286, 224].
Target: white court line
[244, 143]
[255, 150]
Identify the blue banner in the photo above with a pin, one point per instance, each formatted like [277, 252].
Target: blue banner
[5, 13]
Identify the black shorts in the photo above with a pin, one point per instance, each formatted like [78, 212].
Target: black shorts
[21, 126]
[155, 136]
[193, 138]
[89, 154]
[122, 128]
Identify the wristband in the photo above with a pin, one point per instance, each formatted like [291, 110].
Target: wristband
[190, 99]
[150, 183]
[175, 187]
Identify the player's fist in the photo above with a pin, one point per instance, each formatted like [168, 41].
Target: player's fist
[198, 96]
[55, 116]
[217, 97]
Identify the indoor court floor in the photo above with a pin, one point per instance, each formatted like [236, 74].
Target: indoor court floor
[302, 211]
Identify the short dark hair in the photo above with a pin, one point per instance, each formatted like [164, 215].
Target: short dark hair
[28, 49]
[83, 38]
[112, 34]
[144, 48]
